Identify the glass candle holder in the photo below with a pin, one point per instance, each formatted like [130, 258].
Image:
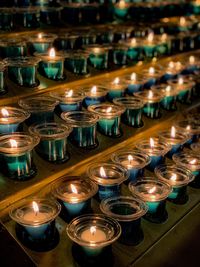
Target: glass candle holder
[84, 128]
[133, 160]
[134, 82]
[93, 234]
[152, 76]
[178, 177]
[133, 110]
[16, 155]
[121, 9]
[67, 41]
[98, 56]
[51, 65]
[149, 45]
[175, 138]
[11, 119]
[35, 223]
[155, 149]
[72, 12]
[109, 118]
[51, 15]
[191, 64]
[134, 52]
[116, 88]
[151, 100]
[53, 141]
[195, 147]
[69, 100]
[184, 86]
[190, 127]
[6, 18]
[170, 96]
[75, 195]
[190, 161]
[3, 68]
[109, 177]
[77, 62]
[41, 109]
[154, 193]
[171, 70]
[12, 48]
[28, 17]
[41, 42]
[95, 95]
[128, 212]
[23, 71]
[119, 53]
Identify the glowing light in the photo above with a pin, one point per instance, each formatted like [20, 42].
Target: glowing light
[191, 59]
[13, 143]
[180, 81]
[173, 177]
[109, 109]
[168, 88]
[4, 112]
[69, 94]
[182, 21]
[150, 37]
[152, 190]
[188, 128]
[152, 143]
[93, 230]
[35, 207]
[178, 65]
[173, 132]
[52, 53]
[130, 158]
[96, 50]
[94, 89]
[151, 70]
[133, 76]
[164, 37]
[133, 41]
[116, 80]
[193, 161]
[171, 65]
[39, 35]
[102, 172]
[73, 189]
[150, 95]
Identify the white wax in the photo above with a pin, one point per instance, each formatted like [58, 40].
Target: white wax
[96, 236]
[32, 216]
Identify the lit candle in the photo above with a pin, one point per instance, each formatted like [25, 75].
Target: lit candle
[116, 88]
[121, 9]
[152, 76]
[134, 82]
[94, 95]
[98, 56]
[41, 42]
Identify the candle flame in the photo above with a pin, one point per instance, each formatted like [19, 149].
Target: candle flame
[188, 127]
[73, 189]
[191, 59]
[133, 41]
[122, 4]
[116, 80]
[102, 172]
[150, 37]
[69, 94]
[35, 207]
[164, 37]
[150, 94]
[94, 89]
[168, 88]
[180, 81]
[4, 112]
[152, 143]
[173, 177]
[109, 109]
[133, 76]
[52, 52]
[178, 65]
[193, 161]
[130, 158]
[171, 65]
[93, 230]
[151, 70]
[13, 143]
[173, 132]
[182, 21]
[96, 50]
[152, 190]
[39, 35]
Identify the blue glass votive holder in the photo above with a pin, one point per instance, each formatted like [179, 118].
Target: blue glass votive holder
[191, 161]
[69, 100]
[77, 62]
[94, 95]
[134, 82]
[75, 195]
[35, 223]
[11, 119]
[41, 109]
[171, 71]
[191, 64]
[109, 118]
[28, 17]
[84, 124]
[98, 56]
[175, 138]
[151, 100]
[132, 115]
[93, 233]
[133, 160]
[152, 76]
[190, 127]
[53, 141]
[154, 193]
[6, 18]
[109, 177]
[23, 71]
[128, 211]
[51, 15]
[16, 155]
[178, 177]
[12, 48]
[155, 149]
[119, 54]
[3, 68]
[41, 42]
[116, 88]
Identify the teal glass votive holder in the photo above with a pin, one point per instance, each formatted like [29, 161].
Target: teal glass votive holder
[67, 41]
[132, 115]
[171, 70]
[178, 177]
[3, 68]
[119, 54]
[134, 49]
[93, 235]
[23, 71]
[84, 124]
[41, 42]
[149, 46]
[135, 83]
[151, 100]
[128, 211]
[191, 161]
[116, 88]
[41, 109]
[152, 76]
[51, 15]
[35, 223]
[98, 56]
[11, 119]
[133, 160]
[75, 195]
[28, 17]
[94, 95]
[6, 18]
[77, 62]
[11, 47]
[109, 118]
[16, 155]
[109, 177]
[121, 9]
[154, 194]
[53, 141]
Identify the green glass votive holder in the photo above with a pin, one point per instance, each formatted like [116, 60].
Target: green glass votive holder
[84, 126]
[69, 100]
[6, 18]
[93, 234]
[154, 194]
[128, 211]
[109, 118]
[28, 17]
[75, 195]
[109, 177]
[67, 41]
[41, 42]
[133, 110]
[133, 160]
[53, 141]
[41, 109]
[134, 49]
[94, 95]
[121, 9]
[98, 56]
[35, 223]
[191, 161]
[119, 54]
[116, 88]
[3, 68]
[151, 100]
[77, 62]
[12, 48]
[16, 155]
[23, 71]
[178, 177]
[135, 83]
[11, 119]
